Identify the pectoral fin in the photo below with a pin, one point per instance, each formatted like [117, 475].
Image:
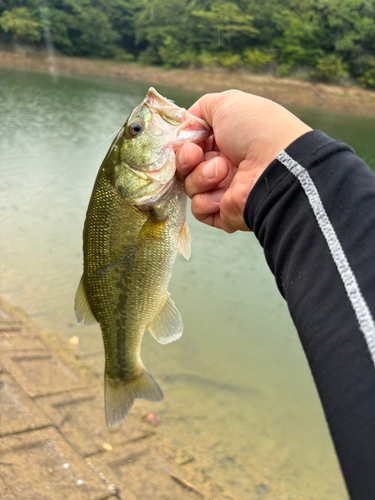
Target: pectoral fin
[167, 325]
[184, 241]
[82, 308]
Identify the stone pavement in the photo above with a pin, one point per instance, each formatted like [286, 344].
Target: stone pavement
[53, 440]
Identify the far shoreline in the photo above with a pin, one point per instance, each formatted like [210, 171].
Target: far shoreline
[286, 91]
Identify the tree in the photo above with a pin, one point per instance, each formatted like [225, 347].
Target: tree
[165, 30]
[22, 26]
[225, 24]
[351, 30]
[82, 29]
[300, 43]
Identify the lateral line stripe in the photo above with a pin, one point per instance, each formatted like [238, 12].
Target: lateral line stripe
[360, 307]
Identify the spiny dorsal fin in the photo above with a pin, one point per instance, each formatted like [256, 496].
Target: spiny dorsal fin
[184, 241]
[167, 325]
[82, 308]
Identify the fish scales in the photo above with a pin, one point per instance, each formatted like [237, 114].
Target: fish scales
[135, 225]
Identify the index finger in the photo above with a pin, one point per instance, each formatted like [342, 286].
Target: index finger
[210, 145]
[187, 158]
[205, 107]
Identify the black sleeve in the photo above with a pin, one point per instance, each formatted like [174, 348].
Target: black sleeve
[313, 211]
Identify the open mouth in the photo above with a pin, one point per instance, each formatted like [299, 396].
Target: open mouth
[192, 123]
[175, 115]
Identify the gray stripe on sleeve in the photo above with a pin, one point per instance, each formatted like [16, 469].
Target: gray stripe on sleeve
[361, 310]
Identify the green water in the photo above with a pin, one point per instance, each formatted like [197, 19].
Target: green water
[238, 392]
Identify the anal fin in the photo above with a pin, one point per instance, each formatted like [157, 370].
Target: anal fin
[167, 325]
[82, 308]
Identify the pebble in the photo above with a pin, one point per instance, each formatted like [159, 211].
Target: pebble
[65, 466]
[80, 482]
[151, 419]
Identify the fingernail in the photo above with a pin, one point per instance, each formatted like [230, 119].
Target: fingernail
[210, 170]
[217, 194]
[182, 156]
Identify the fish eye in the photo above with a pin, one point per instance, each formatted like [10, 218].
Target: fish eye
[135, 128]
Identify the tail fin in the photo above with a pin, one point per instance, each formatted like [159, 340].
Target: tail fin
[119, 395]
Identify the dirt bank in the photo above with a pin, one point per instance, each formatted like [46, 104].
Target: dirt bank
[283, 90]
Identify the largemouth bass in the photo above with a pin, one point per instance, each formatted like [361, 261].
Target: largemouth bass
[135, 225]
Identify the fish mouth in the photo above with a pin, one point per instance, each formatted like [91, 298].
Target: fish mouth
[157, 101]
[186, 123]
[191, 123]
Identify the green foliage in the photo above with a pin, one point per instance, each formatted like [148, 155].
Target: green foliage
[190, 58]
[171, 53]
[21, 24]
[207, 59]
[225, 22]
[230, 61]
[301, 39]
[256, 59]
[149, 56]
[324, 39]
[157, 22]
[367, 80]
[351, 25]
[284, 70]
[60, 23]
[125, 57]
[331, 68]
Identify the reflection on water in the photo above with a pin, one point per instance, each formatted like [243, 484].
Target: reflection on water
[50, 49]
[238, 392]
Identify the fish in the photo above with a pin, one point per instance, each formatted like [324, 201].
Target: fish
[135, 226]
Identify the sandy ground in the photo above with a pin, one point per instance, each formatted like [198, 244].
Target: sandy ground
[283, 90]
[47, 453]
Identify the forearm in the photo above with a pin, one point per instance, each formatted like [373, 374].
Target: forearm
[313, 211]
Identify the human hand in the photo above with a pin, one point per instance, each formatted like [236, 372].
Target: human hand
[249, 131]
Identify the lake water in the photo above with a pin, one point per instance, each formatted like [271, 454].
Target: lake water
[238, 391]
